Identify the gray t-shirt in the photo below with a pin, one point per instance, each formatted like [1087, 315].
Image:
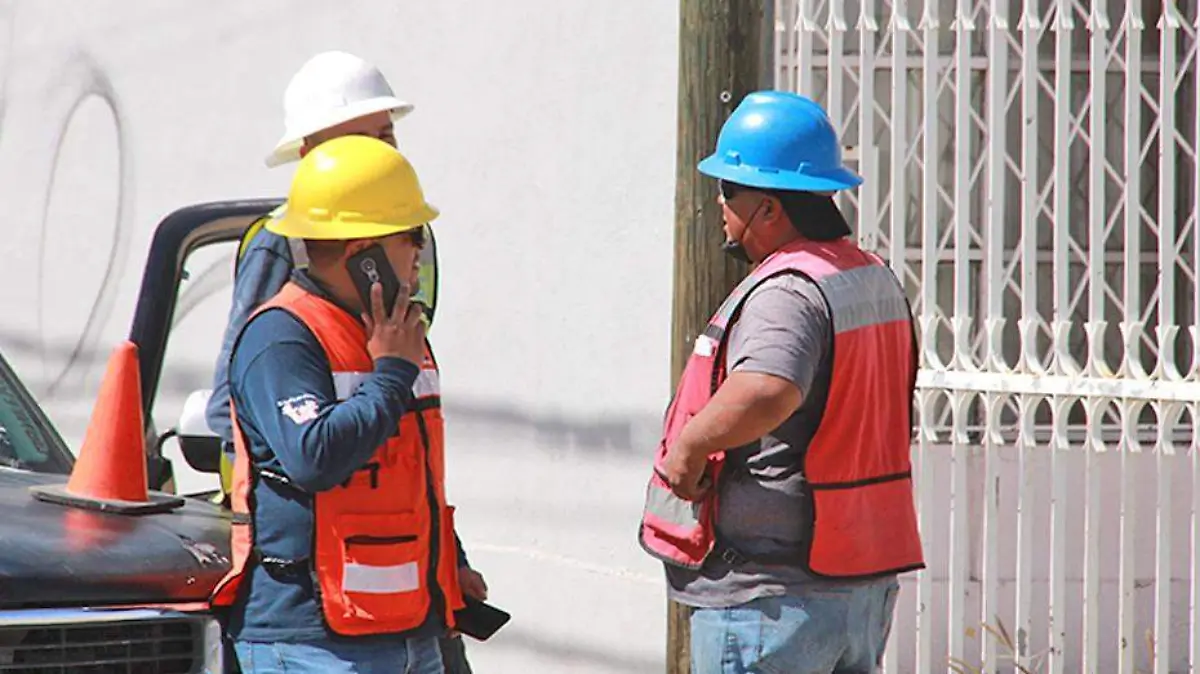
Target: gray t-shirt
[785, 330]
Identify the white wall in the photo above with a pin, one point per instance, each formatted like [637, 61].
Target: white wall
[1141, 530]
[544, 130]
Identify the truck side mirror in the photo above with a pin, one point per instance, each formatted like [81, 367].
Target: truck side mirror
[201, 447]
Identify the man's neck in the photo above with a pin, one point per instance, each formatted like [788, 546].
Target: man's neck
[785, 240]
[347, 299]
[791, 238]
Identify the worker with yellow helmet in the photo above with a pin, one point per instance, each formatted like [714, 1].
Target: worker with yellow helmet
[344, 548]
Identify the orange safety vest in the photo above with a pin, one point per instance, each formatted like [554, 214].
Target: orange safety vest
[857, 466]
[372, 537]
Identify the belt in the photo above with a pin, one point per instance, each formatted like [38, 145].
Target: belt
[735, 557]
[277, 566]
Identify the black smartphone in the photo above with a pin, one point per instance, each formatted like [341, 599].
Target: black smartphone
[370, 266]
[479, 620]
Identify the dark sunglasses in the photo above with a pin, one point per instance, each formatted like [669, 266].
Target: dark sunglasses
[730, 190]
[417, 236]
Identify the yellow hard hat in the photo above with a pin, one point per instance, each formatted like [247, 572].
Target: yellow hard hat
[353, 187]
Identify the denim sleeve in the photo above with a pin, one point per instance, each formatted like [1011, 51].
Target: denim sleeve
[261, 273]
[282, 386]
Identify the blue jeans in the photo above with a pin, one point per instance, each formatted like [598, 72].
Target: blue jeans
[414, 656]
[825, 629]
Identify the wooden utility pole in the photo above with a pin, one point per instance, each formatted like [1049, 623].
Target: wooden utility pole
[721, 59]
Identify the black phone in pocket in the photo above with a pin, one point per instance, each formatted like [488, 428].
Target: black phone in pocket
[479, 620]
[370, 266]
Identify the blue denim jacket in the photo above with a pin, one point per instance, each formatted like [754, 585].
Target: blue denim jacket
[261, 273]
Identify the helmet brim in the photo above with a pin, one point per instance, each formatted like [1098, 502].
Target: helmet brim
[295, 225]
[826, 181]
[287, 150]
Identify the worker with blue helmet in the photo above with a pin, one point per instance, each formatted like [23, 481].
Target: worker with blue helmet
[795, 401]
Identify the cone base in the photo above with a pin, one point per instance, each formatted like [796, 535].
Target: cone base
[157, 502]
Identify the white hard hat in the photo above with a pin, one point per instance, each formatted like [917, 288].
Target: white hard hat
[331, 88]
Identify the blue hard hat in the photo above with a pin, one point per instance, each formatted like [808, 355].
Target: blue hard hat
[781, 141]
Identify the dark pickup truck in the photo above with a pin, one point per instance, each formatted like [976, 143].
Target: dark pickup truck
[85, 590]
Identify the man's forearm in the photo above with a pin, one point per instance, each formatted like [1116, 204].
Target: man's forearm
[318, 441]
[745, 408]
[339, 442]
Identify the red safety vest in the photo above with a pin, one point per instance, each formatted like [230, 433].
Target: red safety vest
[857, 465]
[372, 545]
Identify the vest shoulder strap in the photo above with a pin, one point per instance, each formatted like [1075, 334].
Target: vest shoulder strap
[295, 246]
[248, 235]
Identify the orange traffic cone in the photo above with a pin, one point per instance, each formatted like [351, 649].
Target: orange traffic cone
[110, 471]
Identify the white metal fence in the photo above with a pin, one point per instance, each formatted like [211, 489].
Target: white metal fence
[1031, 175]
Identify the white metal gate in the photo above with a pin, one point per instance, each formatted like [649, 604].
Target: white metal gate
[1031, 174]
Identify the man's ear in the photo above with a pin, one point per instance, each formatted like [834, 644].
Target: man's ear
[353, 247]
[308, 144]
[772, 209]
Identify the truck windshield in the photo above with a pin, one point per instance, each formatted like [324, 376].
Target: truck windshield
[27, 440]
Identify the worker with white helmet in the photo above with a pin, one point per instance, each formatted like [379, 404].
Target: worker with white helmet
[334, 94]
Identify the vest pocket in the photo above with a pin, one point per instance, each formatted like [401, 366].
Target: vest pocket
[864, 529]
[381, 571]
[371, 567]
[673, 529]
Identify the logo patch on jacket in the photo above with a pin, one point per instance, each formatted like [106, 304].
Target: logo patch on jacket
[300, 409]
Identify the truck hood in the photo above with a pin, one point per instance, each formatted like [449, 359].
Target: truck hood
[53, 555]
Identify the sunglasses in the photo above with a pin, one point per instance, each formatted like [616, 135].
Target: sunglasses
[417, 236]
[730, 190]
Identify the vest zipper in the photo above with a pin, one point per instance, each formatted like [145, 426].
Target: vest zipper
[437, 598]
[377, 540]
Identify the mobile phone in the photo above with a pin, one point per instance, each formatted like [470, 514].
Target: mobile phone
[370, 266]
[479, 620]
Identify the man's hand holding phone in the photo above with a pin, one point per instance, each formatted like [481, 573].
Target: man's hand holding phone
[399, 334]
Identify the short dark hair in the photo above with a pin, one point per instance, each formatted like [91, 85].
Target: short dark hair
[324, 252]
[815, 216]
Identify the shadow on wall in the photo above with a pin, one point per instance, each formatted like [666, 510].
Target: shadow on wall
[609, 433]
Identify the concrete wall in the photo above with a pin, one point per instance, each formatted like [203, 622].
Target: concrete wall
[545, 131]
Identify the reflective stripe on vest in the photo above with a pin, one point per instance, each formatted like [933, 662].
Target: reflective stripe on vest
[857, 464]
[373, 547]
[427, 386]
